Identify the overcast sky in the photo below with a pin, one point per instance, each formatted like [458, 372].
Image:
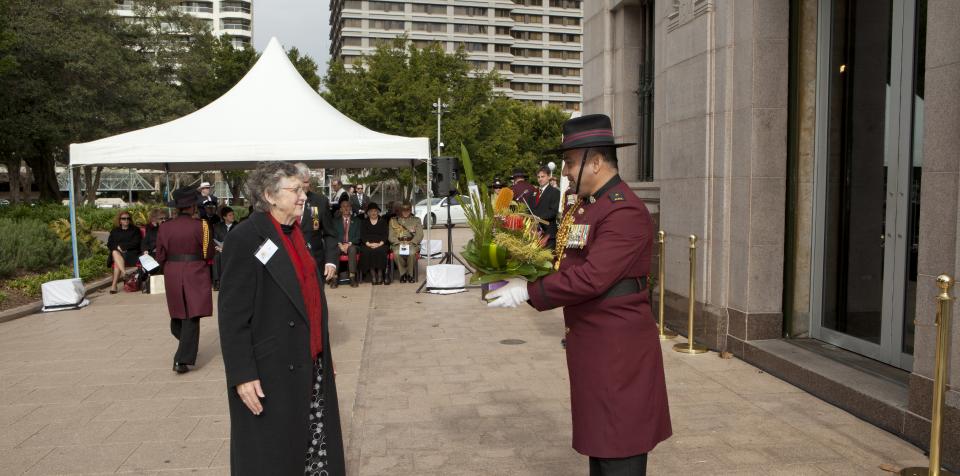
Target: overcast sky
[300, 23]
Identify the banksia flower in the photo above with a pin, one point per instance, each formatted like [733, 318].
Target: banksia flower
[502, 203]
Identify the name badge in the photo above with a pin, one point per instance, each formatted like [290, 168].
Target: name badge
[578, 236]
[266, 251]
[404, 250]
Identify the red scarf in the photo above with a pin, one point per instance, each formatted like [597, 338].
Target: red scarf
[306, 269]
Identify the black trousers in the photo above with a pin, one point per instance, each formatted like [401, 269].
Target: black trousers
[630, 466]
[187, 331]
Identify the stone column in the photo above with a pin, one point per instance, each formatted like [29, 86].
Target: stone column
[939, 225]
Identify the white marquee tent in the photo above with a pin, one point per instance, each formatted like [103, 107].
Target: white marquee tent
[271, 114]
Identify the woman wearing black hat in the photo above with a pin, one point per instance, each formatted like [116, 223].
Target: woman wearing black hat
[373, 252]
[183, 246]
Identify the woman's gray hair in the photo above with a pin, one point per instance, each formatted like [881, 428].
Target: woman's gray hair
[303, 170]
[266, 180]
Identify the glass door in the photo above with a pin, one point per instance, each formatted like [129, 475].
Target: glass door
[867, 177]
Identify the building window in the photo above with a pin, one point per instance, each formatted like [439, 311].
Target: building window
[235, 7]
[529, 3]
[350, 59]
[385, 6]
[469, 29]
[353, 5]
[479, 65]
[565, 88]
[352, 23]
[501, 48]
[565, 55]
[235, 24]
[565, 21]
[527, 18]
[575, 72]
[470, 11]
[422, 44]
[352, 41]
[430, 27]
[197, 7]
[527, 52]
[386, 25]
[429, 9]
[565, 4]
[565, 37]
[526, 69]
[503, 66]
[526, 87]
[503, 30]
[474, 47]
[527, 35]
[502, 13]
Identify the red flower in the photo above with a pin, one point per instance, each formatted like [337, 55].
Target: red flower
[513, 222]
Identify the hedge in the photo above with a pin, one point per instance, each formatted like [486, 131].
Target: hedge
[30, 245]
[91, 268]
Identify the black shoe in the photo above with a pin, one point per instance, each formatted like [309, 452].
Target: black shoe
[216, 285]
[386, 280]
[180, 368]
[353, 281]
[403, 278]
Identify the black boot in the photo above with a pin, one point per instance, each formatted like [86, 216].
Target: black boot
[386, 278]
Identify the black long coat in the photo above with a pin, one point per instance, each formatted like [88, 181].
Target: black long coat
[265, 335]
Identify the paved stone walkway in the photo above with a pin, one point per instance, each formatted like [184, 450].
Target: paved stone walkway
[426, 388]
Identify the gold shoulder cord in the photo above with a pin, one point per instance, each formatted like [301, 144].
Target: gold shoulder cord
[206, 238]
[563, 232]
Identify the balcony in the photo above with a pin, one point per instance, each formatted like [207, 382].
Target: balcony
[196, 7]
[235, 7]
[235, 24]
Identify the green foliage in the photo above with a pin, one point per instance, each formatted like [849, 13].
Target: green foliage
[306, 66]
[3, 297]
[393, 91]
[30, 245]
[90, 268]
[97, 219]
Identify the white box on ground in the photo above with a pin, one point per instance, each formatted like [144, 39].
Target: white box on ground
[156, 284]
[433, 248]
[63, 294]
[446, 278]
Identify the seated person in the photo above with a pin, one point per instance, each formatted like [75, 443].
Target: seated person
[347, 233]
[123, 245]
[373, 238]
[405, 229]
[149, 246]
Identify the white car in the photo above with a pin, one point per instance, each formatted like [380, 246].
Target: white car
[439, 215]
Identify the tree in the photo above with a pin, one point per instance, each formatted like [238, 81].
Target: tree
[306, 66]
[393, 91]
[77, 76]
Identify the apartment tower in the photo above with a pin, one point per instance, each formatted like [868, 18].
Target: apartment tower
[535, 45]
[233, 18]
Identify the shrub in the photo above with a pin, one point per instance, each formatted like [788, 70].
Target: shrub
[30, 245]
[96, 218]
[87, 243]
[90, 268]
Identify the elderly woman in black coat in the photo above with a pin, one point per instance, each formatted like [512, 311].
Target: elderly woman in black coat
[284, 416]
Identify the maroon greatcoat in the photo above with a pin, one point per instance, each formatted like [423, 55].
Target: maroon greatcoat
[618, 395]
[187, 283]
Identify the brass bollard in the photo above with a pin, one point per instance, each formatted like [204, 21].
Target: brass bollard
[691, 347]
[944, 300]
[665, 334]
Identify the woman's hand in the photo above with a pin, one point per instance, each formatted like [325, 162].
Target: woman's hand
[251, 393]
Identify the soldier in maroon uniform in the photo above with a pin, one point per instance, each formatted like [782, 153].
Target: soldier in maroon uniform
[183, 246]
[618, 394]
[523, 192]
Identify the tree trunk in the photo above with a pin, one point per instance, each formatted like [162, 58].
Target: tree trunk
[44, 171]
[13, 175]
[92, 182]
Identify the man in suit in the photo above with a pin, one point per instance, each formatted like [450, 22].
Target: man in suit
[220, 231]
[206, 197]
[546, 205]
[317, 227]
[337, 193]
[347, 233]
[359, 202]
[618, 397]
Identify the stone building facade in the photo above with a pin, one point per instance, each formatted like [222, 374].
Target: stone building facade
[811, 146]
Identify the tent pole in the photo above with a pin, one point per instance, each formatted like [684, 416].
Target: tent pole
[166, 197]
[73, 223]
[429, 214]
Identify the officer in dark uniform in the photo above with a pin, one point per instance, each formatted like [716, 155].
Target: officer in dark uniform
[317, 226]
[618, 395]
[183, 246]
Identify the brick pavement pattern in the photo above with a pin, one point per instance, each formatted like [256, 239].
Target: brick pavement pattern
[426, 388]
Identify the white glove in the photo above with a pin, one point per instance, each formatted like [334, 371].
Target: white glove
[510, 295]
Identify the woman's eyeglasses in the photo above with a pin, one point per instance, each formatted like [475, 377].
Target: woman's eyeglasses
[124, 218]
[296, 190]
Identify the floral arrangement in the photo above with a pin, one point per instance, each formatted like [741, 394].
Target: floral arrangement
[507, 242]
